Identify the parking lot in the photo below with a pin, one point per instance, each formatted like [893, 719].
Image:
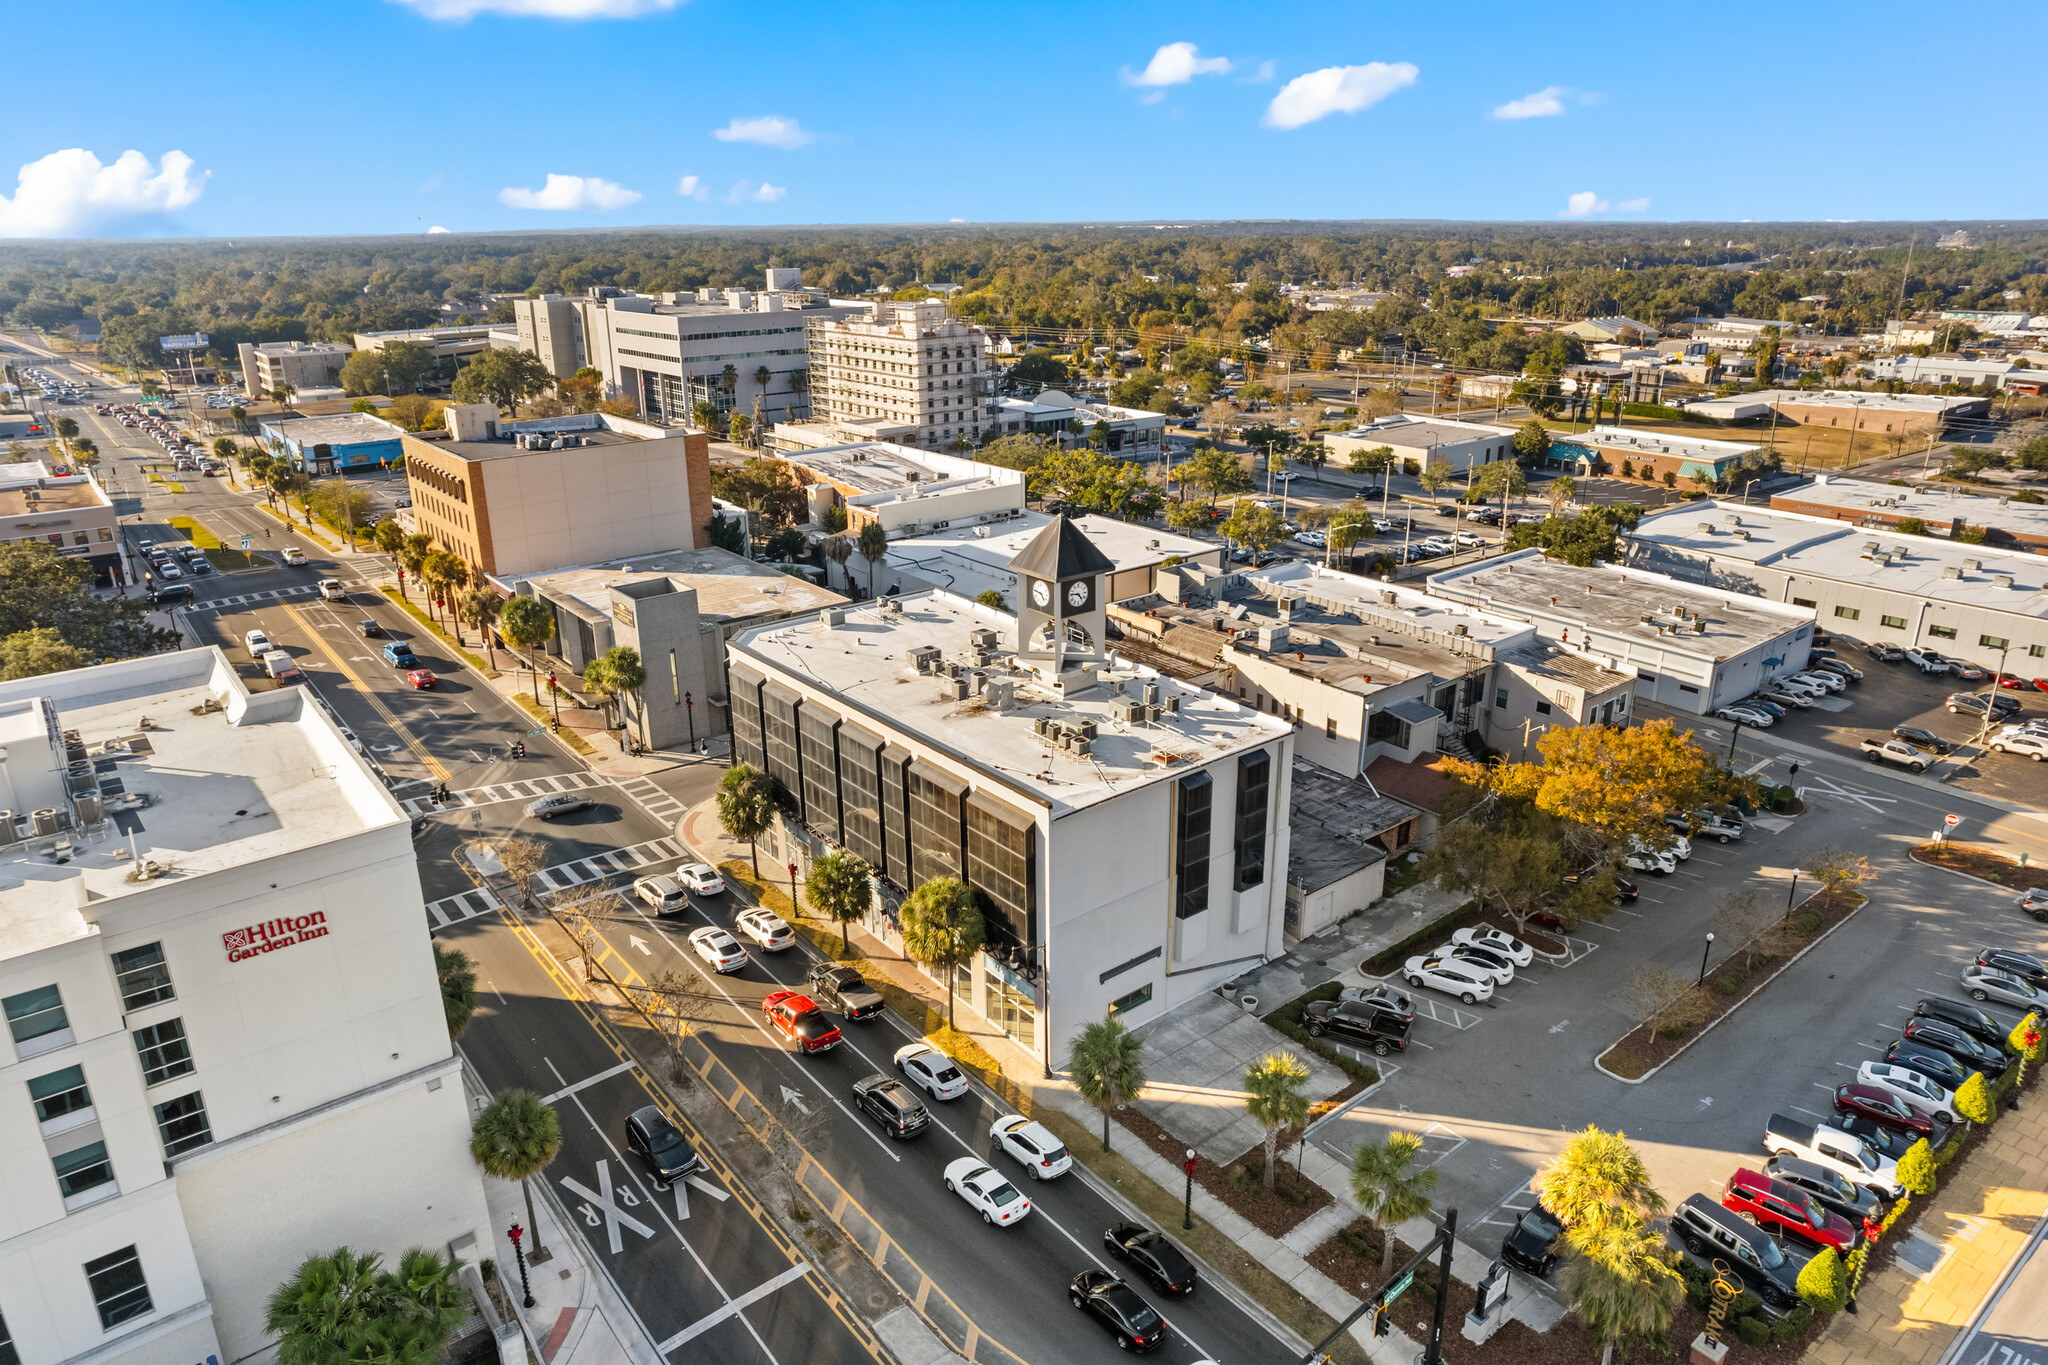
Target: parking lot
[1494, 1090]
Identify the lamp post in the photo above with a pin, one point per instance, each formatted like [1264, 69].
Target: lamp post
[515, 1232]
[1187, 1217]
[1790, 892]
[690, 711]
[1703, 960]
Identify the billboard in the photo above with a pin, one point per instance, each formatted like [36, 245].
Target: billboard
[197, 341]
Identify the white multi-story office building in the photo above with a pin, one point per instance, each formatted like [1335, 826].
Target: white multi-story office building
[919, 377]
[225, 1049]
[1128, 832]
[301, 365]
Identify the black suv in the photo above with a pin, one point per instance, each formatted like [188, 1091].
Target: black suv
[1921, 738]
[2025, 966]
[889, 1102]
[1532, 1244]
[1357, 1022]
[1968, 1018]
[1152, 1255]
[1707, 1230]
[1878, 1138]
[842, 989]
[1930, 1061]
[652, 1138]
[1938, 1033]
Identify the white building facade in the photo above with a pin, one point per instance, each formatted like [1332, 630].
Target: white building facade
[905, 365]
[225, 1045]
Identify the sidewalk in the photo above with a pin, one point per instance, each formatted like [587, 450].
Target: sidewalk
[1980, 1219]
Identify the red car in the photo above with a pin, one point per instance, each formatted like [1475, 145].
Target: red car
[1879, 1107]
[801, 1021]
[2024, 684]
[1774, 1205]
[421, 677]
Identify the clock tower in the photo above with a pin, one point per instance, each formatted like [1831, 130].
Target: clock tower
[1062, 599]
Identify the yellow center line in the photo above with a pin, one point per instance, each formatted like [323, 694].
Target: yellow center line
[412, 741]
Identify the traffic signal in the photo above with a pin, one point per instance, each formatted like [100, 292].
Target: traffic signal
[1382, 1322]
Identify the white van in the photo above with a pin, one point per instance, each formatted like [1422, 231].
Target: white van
[294, 555]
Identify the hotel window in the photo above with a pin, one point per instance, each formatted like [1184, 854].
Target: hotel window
[778, 730]
[143, 977]
[1191, 845]
[1804, 602]
[816, 735]
[1942, 632]
[119, 1290]
[1000, 865]
[182, 1124]
[1254, 798]
[1329, 727]
[82, 1171]
[37, 1020]
[860, 794]
[935, 832]
[1500, 698]
[164, 1051]
[1892, 622]
[1124, 1004]
[1993, 641]
[1849, 613]
[1542, 708]
[2037, 651]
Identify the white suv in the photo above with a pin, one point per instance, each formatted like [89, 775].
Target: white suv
[2035, 746]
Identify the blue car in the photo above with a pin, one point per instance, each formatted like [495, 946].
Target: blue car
[399, 655]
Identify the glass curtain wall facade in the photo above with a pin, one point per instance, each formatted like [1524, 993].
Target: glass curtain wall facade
[778, 729]
[1001, 841]
[860, 795]
[936, 831]
[817, 735]
[747, 745]
[896, 815]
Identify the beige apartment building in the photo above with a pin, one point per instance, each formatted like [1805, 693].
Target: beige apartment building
[525, 497]
[301, 364]
[918, 376]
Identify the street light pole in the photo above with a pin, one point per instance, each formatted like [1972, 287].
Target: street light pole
[1187, 1217]
[1703, 960]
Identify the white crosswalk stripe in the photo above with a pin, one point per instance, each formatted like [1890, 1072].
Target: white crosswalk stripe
[467, 905]
[653, 799]
[524, 790]
[266, 595]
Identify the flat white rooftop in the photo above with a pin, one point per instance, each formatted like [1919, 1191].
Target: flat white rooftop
[1917, 403]
[1654, 443]
[1350, 592]
[198, 791]
[866, 664]
[1936, 506]
[1630, 603]
[1820, 548]
[1426, 431]
[727, 585]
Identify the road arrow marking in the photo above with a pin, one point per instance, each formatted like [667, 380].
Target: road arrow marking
[1706, 1101]
[792, 1097]
[640, 943]
[1558, 1027]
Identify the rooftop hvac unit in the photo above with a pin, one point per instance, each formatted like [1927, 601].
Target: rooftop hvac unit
[1173, 705]
[1082, 748]
[1706, 528]
[90, 809]
[1742, 535]
[981, 533]
[959, 689]
[1126, 711]
[924, 658]
[1084, 728]
[1951, 572]
[832, 616]
[45, 821]
[981, 637]
[1461, 630]
[2001, 580]
[1151, 694]
[1869, 547]
[1973, 565]
[1732, 519]
[1699, 625]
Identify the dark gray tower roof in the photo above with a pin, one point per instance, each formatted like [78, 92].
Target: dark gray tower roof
[1060, 552]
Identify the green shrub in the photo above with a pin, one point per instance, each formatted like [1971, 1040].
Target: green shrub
[1674, 1030]
[1753, 1331]
[1744, 1305]
[1805, 922]
[1917, 1168]
[1973, 1100]
[1824, 1282]
[1794, 1322]
[1242, 1179]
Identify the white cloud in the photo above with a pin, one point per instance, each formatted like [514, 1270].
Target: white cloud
[70, 193]
[1545, 103]
[691, 187]
[1176, 64]
[747, 192]
[1337, 90]
[434, 229]
[1632, 205]
[585, 194]
[460, 11]
[1268, 69]
[1581, 204]
[768, 130]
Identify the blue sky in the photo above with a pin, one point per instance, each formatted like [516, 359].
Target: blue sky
[378, 116]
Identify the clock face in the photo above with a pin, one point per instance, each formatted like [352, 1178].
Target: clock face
[1041, 593]
[1078, 593]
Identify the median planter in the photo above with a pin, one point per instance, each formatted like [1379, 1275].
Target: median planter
[1981, 863]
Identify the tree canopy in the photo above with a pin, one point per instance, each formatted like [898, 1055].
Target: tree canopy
[506, 378]
[42, 590]
[1089, 480]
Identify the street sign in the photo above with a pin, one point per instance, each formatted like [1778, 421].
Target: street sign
[247, 541]
[1398, 1288]
[191, 341]
[1951, 820]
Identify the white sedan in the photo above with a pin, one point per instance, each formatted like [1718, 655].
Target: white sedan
[1743, 715]
[1482, 962]
[1499, 941]
[987, 1193]
[766, 928]
[1032, 1143]
[701, 878]
[931, 1071]
[1910, 1086]
[1452, 978]
[718, 948]
[1651, 861]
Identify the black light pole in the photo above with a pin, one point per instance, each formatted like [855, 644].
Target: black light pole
[1791, 891]
[690, 710]
[1703, 960]
[1187, 1217]
[1433, 1354]
[515, 1232]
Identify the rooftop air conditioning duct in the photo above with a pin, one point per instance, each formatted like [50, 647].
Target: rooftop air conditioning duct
[45, 821]
[2001, 580]
[1951, 572]
[1973, 565]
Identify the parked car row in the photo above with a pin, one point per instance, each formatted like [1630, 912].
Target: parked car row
[1825, 676]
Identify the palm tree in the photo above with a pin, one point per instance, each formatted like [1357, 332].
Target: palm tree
[413, 553]
[458, 987]
[1345, 530]
[839, 549]
[514, 1138]
[482, 606]
[874, 548]
[746, 805]
[1621, 1282]
[762, 374]
[1274, 1098]
[1598, 1179]
[1387, 1191]
[625, 673]
[1560, 492]
[1108, 1066]
[840, 887]
[943, 929]
[527, 623]
[281, 478]
[341, 1307]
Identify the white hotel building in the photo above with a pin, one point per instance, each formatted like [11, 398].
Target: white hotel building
[225, 1048]
[1128, 833]
[905, 373]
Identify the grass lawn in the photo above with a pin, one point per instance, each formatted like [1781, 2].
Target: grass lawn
[223, 558]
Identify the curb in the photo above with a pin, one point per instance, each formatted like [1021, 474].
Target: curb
[1958, 872]
[1734, 1009]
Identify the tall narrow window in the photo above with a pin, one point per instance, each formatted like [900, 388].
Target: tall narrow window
[1191, 846]
[119, 1290]
[182, 1124]
[1254, 789]
[143, 976]
[164, 1051]
[81, 1171]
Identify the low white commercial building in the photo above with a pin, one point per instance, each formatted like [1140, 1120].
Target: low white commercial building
[904, 490]
[1421, 442]
[1691, 648]
[1970, 601]
[69, 512]
[1941, 510]
[1941, 369]
[1128, 833]
[1135, 432]
[225, 1048]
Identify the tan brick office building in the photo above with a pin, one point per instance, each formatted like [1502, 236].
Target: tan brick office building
[526, 497]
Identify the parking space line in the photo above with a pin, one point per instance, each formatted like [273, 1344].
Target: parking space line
[738, 1305]
[1797, 1109]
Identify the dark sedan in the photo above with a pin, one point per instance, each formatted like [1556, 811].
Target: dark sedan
[1532, 1244]
[2025, 966]
[1136, 1325]
[1921, 738]
[1878, 1106]
[1930, 1061]
[1152, 1256]
[1876, 1136]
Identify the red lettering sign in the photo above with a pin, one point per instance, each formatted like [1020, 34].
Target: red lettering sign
[267, 937]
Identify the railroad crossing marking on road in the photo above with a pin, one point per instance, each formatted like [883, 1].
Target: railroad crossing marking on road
[1823, 787]
[598, 1207]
